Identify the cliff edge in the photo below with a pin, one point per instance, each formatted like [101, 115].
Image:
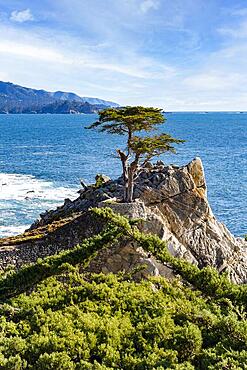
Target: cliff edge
[172, 203]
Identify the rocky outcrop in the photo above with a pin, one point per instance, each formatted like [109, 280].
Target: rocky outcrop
[178, 199]
[171, 201]
[48, 240]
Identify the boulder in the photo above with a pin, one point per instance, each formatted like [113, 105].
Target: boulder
[102, 179]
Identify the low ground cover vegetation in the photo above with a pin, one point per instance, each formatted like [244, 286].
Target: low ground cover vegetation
[54, 316]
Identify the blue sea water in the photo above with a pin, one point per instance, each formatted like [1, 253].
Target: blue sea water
[43, 158]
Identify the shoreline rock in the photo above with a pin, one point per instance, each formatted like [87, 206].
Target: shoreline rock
[171, 200]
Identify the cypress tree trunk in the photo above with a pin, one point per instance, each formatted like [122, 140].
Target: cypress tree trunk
[132, 169]
[124, 161]
[129, 172]
[125, 180]
[130, 189]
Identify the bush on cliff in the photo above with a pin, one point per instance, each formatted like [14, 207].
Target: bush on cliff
[55, 317]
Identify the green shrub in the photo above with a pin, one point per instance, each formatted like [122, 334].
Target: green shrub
[55, 317]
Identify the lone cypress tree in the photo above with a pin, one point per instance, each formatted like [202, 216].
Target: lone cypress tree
[129, 121]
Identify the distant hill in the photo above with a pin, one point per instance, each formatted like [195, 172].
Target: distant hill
[19, 99]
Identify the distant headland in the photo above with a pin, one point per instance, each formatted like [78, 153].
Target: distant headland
[16, 99]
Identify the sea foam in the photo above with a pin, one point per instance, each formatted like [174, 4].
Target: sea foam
[23, 197]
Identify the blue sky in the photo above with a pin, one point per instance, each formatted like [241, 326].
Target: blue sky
[178, 55]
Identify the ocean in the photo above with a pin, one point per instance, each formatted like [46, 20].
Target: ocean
[43, 158]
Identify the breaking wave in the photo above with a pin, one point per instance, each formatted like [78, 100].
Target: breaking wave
[24, 197]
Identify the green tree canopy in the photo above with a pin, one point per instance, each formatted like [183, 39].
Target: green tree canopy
[127, 120]
[131, 121]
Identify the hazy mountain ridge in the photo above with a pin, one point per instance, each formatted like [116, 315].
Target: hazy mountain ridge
[19, 99]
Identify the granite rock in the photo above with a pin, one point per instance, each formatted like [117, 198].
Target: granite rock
[171, 201]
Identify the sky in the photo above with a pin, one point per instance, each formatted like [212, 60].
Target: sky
[180, 55]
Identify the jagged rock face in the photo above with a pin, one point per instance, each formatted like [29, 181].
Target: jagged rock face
[173, 203]
[180, 201]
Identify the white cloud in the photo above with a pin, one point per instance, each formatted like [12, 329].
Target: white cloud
[31, 51]
[21, 16]
[238, 32]
[23, 45]
[147, 5]
[214, 80]
[239, 12]
[4, 76]
[118, 66]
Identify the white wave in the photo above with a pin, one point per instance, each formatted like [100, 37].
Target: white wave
[24, 197]
[26, 187]
[32, 146]
[46, 153]
[12, 230]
